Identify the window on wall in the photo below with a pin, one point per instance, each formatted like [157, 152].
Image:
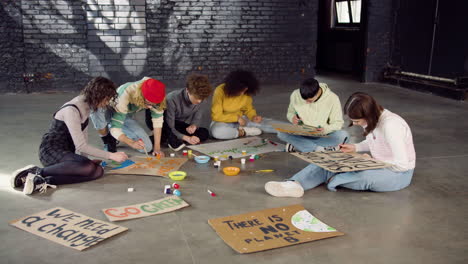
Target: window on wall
[347, 13]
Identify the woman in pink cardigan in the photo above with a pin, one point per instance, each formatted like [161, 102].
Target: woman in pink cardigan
[388, 139]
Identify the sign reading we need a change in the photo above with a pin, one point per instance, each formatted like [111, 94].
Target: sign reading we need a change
[68, 228]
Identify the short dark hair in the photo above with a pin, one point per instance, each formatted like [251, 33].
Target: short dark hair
[199, 86]
[238, 80]
[363, 106]
[98, 90]
[309, 88]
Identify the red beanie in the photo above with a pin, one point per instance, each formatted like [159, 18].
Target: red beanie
[153, 91]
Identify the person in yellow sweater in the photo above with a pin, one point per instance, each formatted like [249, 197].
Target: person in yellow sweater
[314, 104]
[232, 110]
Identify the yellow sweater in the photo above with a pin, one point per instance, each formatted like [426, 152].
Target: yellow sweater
[228, 109]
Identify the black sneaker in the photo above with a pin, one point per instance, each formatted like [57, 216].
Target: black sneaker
[19, 176]
[289, 148]
[36, 183]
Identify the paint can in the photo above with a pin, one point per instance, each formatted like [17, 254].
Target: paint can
[172, 155]
[184, 153]
[242, 161]
[167, 189]
[244, 152]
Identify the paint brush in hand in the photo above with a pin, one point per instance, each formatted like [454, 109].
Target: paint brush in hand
[144, 147]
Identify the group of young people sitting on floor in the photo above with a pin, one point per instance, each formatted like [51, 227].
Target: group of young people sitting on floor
[176, 119]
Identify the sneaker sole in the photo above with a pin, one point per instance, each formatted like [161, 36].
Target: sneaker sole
[16, 172]
[178, 148]
[274, 189]
[28, 189]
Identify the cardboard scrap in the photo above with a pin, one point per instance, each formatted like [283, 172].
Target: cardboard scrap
[161, 206]
[308, 131]
[336, 161]
[68, 228]
[151, 166]
[234, 148]
[271, 228]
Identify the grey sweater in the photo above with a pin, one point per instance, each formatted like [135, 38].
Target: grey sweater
[181, 109]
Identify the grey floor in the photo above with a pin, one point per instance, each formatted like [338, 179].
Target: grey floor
[424, 223]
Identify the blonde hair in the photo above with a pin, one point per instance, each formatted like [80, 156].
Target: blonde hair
[138, 99]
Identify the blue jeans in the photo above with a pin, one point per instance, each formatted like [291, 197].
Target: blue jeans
[379, 180]
[309, 144]
[101, 119]
[221, 130]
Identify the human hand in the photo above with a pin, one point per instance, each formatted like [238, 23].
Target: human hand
[191, 140]
[191, 129]
[118, 156]
[137, 144]
[157, 152]
[367, 156]
[241, 121]
[347, 148]
[257, 119]
[295, 120]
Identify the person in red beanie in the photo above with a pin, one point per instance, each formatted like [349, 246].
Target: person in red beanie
[118, 123]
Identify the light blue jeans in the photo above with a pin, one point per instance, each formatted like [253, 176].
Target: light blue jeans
[309, 144]
[379, 180]
[221, 130]
[101, 119]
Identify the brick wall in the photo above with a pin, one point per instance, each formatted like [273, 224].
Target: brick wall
[379, 37]
[67, 42]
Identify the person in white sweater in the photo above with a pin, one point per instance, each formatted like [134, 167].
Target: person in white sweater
[63, 147]
[388, 139]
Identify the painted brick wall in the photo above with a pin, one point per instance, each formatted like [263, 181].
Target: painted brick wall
[64, 43]
[11, 47]
[379, 37]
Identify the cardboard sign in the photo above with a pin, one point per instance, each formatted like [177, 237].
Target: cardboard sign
[151, 166]
[68, 228]
[271, 228]
[160, 206]
[336, 161]
[308, 131]
[234, 148]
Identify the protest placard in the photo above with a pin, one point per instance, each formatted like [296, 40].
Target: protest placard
[271, 228]
[68, 228]
[337, 161]
[161, 206]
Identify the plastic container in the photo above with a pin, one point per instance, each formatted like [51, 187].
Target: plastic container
[177, 175]
[202, 159]
[231, 171]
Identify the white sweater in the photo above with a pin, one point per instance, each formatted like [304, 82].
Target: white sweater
[391, 141]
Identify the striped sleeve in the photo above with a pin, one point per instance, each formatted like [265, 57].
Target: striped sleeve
[157, 118]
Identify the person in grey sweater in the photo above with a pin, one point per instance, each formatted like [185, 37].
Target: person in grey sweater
[183, 114]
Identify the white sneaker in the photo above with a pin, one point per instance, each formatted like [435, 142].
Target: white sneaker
[284, 189]
[289, 148]
[252, 131]
[330, 148]
[177, 148]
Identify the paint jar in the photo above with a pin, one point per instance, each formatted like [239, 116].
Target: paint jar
[242, 161]
[252, 158]
[216, 158]
[172, 155]
[184, 153]
[190, 153]
[167, 189]
[244, 152]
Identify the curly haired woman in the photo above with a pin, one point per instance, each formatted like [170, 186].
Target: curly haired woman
[232, 110]
[133, 97]
[67, 135]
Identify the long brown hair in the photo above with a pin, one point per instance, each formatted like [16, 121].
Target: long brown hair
[363, 106]
[98, 90]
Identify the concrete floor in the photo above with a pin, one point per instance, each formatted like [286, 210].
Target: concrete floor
[424, 223]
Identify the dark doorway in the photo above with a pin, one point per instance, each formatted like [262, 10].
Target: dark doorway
[340, 41]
